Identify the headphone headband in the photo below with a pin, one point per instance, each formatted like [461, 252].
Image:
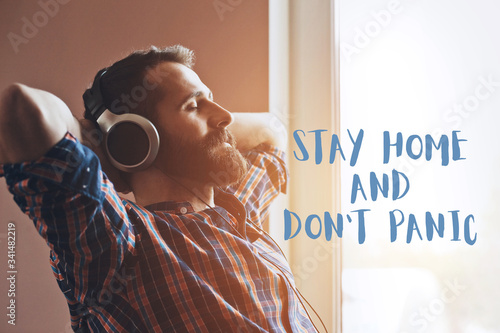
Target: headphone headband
[94, 103]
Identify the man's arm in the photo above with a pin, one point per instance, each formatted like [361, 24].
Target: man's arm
[31, 122]
[267, 175]
[70, 201]
[253, 129]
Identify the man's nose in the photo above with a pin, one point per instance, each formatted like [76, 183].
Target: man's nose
[219, 117]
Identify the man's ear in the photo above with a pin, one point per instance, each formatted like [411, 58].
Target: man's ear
[92, 138]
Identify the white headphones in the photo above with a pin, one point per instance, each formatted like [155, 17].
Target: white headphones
[131, 140]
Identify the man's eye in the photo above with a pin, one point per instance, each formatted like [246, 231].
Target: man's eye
[192, 107]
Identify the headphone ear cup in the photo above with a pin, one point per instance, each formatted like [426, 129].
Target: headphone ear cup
[127, 143]
[131, 141]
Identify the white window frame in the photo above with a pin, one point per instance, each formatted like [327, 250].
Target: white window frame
[304, 94]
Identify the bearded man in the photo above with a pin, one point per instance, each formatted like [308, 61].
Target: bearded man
[189, 253]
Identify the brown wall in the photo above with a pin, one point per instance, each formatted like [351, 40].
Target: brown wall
[64, 55]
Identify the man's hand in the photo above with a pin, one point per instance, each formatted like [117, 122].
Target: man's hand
[252, 129]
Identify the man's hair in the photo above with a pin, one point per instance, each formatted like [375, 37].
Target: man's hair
[123, 86]
[125, 79]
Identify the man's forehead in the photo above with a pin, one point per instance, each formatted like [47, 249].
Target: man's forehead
[178, 84]
[178, 76]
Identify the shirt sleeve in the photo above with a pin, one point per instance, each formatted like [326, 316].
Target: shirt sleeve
[266, 178]
[75, 208]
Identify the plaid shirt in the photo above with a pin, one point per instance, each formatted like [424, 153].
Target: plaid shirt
[164, 267]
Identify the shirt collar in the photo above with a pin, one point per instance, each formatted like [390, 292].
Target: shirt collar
[222, 198]
[171, 207]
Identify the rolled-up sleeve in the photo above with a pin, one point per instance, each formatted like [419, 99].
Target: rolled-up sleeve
[266, 178]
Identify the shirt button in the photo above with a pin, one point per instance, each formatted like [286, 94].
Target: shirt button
[183, 210]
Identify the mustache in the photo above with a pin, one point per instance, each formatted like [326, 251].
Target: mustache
[218, 137]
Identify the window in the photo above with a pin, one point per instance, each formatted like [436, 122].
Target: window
[303, 93]
[427, 70]
[421, 67]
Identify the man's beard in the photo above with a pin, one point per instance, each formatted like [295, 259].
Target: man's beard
[209, 161]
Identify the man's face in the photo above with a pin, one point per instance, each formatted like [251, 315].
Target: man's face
[194, 141]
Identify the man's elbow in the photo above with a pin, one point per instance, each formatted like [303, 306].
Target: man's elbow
[17, 106]
[14, 110]
[277, 136]
[11, 97]
[27, 129]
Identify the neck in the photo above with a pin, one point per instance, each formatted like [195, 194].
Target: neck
[152, 186]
